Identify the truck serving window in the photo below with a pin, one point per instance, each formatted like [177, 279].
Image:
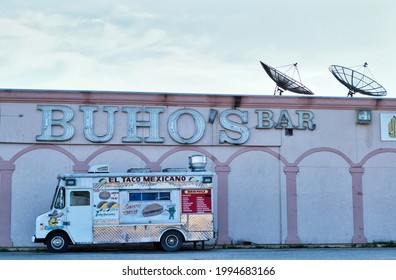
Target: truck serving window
[79, 198]
[142, 196]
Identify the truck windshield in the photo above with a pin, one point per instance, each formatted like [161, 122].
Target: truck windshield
[58, 201]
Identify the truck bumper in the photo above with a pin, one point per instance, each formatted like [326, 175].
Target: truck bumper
[37, 240]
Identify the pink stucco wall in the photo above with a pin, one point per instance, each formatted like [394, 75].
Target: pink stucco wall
[333, 184]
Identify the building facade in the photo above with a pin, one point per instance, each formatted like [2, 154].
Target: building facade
[288, 170]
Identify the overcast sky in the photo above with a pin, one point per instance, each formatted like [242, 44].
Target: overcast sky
[193, 46]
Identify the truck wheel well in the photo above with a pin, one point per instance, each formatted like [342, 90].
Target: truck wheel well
[176, 230]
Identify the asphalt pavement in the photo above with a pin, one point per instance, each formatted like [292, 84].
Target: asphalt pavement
[381, 253]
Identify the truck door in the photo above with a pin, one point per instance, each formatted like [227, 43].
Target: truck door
[79, 215]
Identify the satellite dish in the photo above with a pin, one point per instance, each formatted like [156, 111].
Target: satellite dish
[356, 81]
[284, 82]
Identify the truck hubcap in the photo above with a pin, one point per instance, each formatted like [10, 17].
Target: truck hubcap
[171, 241]
[57, 242]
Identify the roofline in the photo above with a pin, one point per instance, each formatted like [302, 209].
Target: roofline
[135, 98]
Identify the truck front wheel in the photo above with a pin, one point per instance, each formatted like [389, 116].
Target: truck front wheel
[57, 242]
[171, 241]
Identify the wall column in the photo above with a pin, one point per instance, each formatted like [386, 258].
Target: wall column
[291, 204]
[357, 198]
[6, 170]
[80, 167]
[222, 198]
[154, 167]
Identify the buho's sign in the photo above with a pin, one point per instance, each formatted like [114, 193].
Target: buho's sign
[57, 123]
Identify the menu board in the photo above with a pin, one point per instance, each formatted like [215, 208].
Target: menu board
[197, 201]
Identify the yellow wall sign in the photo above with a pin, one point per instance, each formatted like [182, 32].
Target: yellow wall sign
[388, 127]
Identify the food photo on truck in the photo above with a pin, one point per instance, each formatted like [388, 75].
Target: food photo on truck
[165, 208]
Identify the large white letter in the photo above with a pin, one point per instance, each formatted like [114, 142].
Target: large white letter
[234, 126]
[199, 124]
[89, 123]
[264, 119]
[305, 117]
[48, 123]
[152, 124]
[284, 119]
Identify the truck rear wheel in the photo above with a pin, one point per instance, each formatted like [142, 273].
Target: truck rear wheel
[171, 241]
[57, 242]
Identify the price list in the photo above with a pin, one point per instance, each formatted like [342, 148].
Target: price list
[196, 201]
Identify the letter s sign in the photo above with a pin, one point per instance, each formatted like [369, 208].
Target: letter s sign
[234, 126]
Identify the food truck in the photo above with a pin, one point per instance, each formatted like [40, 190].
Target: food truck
[166, 208]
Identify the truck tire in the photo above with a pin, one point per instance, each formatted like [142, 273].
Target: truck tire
[171, 241]
[157, 245]
[57, 242]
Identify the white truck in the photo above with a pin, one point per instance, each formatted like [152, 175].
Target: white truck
[166, 208]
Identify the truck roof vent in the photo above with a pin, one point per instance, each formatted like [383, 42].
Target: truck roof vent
[197, 163]
[100, 168]
[174, 170]
[139, 170]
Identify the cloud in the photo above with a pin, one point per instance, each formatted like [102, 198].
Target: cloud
[57, 50]
[190, 46]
